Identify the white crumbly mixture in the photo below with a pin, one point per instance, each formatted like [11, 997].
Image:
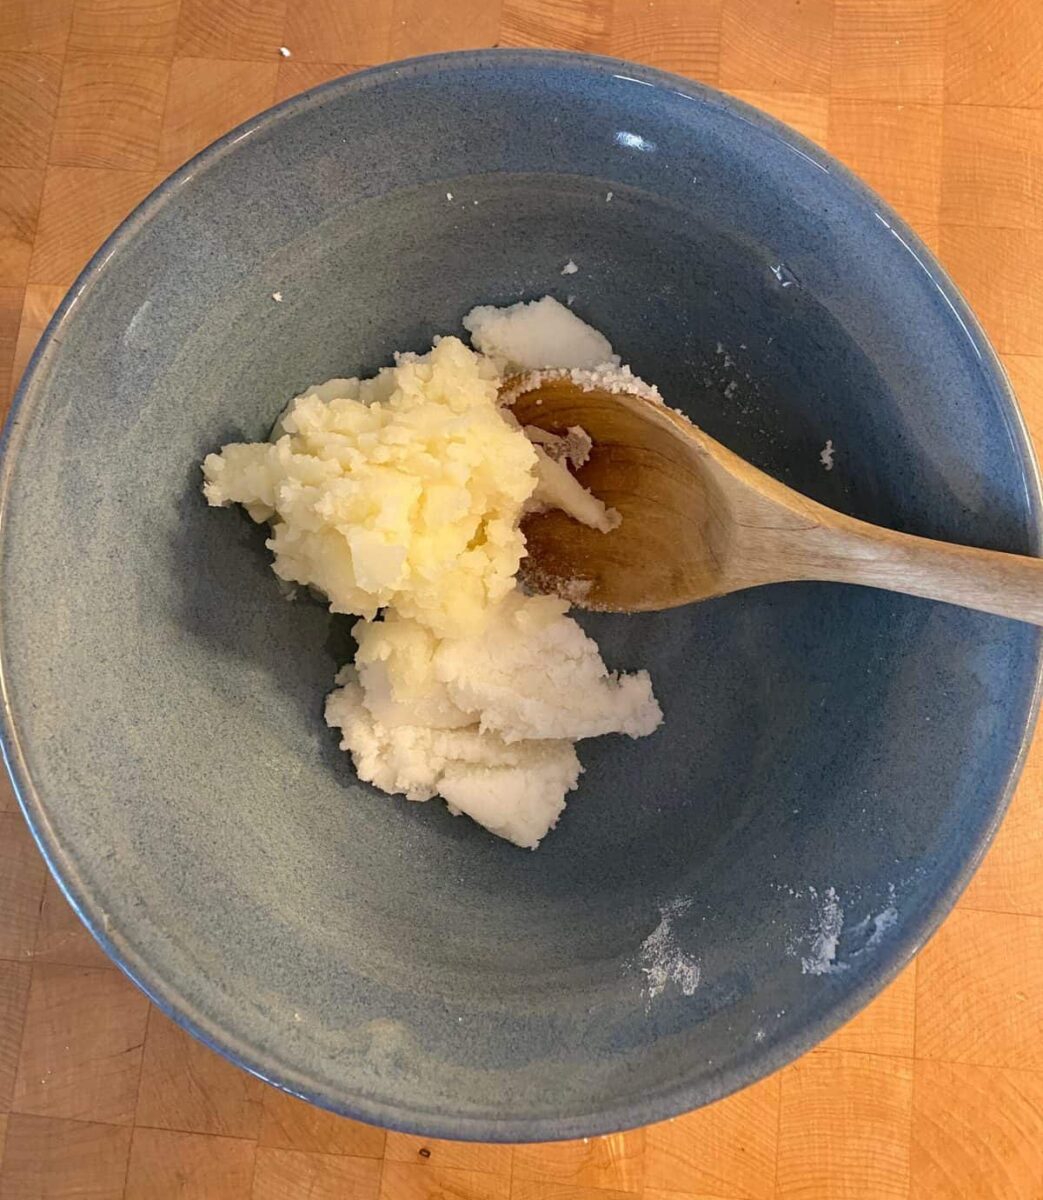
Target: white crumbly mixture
[540, 334]
[399, 498]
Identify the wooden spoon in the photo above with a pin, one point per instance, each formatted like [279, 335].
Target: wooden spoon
[698, 521]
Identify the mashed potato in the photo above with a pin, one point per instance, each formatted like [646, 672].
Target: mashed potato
[402, 495]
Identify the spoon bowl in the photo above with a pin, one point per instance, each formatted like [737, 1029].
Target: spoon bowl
[668, 542]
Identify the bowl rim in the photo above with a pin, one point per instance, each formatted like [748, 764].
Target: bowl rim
[674, 1099]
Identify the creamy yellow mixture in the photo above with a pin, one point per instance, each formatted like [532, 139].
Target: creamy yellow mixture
[399, 498]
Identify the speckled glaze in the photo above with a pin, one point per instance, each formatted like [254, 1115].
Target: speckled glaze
[163, 703]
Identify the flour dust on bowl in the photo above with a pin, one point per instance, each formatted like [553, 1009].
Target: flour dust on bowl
[718, 895]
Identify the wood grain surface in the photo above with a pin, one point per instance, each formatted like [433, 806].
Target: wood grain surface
[935, 1091]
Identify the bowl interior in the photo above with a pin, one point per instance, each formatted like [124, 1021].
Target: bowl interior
[833, 759]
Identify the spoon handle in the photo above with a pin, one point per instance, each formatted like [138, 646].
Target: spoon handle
[1009, 585]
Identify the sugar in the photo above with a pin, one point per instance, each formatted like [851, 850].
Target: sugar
[825, 936]
[662, 960]
[609, 377]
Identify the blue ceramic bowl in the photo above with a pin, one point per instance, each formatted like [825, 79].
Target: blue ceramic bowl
[717, 897]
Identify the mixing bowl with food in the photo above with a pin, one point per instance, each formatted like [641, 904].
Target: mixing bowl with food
[726, 885]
